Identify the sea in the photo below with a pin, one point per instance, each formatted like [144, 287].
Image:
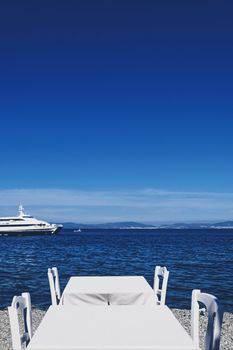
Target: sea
[196, 259]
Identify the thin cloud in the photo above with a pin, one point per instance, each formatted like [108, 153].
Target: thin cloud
[148, 205]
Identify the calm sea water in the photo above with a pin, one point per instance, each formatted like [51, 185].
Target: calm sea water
[196, 259]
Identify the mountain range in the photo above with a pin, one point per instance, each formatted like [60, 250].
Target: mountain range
[137, 225]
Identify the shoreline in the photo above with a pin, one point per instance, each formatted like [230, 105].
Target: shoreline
[181, 314]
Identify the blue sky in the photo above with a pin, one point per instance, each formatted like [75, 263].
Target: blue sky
[117, 110]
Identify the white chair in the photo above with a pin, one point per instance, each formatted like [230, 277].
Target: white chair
[54, 285]
[160, 284]
[20, 304]
[215, 315]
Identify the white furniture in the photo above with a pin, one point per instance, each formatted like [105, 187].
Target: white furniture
[113, 290]
[20, 304]
[54, 285]
[160, 284]
[212, 339]
[110, 328]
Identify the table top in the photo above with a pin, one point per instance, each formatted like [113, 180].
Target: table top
[114, 290]
[110, 328]
[107, 284]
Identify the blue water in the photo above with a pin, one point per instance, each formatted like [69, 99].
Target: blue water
[196, 259]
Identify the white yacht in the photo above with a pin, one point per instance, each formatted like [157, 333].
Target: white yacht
[24, 224]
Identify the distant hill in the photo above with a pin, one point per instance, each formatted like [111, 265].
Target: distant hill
[137, 225]
[109, 225]
[227, 224]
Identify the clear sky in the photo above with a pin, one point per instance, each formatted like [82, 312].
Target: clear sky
[117, 110]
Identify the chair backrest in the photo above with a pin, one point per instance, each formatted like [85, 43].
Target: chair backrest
[54, 285]
[160, 284]
[20, 304]
[215, 315]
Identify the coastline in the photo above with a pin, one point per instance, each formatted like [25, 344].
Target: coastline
[182, 315]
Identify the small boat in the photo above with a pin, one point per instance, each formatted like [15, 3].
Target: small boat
[25, 224]
[79, 230]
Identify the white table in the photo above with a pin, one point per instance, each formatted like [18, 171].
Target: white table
[110, 328]
[114, 290]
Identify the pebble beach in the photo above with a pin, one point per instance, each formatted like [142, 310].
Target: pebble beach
[182, 315]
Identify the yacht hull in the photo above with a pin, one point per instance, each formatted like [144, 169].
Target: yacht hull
[30, 231]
